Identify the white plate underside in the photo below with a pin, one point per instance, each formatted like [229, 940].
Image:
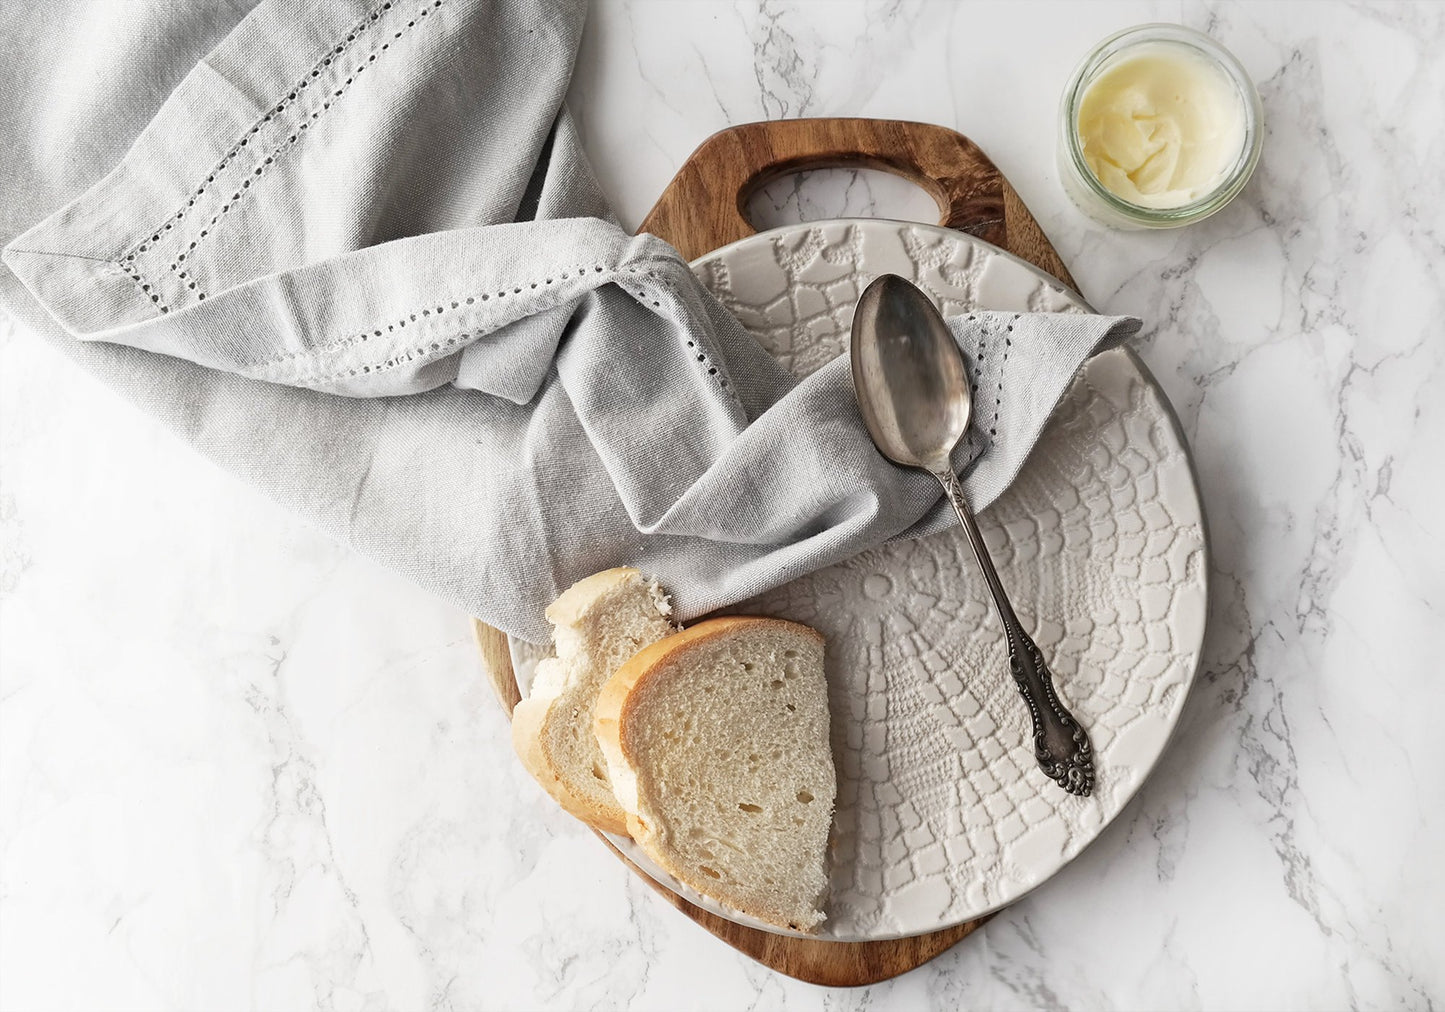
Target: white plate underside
[942, 814]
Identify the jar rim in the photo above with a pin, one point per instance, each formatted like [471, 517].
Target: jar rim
[1163, 32]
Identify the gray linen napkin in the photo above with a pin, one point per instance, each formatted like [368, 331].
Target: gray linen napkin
[358, 258]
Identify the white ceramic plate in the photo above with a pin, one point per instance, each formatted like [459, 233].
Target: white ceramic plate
[942, 814]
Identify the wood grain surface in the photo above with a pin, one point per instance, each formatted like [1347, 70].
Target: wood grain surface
[702, 209]
[704, 205]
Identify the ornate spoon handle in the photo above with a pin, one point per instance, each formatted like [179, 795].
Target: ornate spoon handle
[1061, 744]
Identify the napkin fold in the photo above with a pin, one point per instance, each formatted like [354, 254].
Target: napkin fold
[358, 257]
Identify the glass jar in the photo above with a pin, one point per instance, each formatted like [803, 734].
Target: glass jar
[1079, 179]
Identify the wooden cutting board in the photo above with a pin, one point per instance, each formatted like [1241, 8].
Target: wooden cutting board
[703, 209]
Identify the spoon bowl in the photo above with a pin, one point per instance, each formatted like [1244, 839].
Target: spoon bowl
[909, 374]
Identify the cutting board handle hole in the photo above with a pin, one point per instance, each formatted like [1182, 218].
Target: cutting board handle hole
[817, 194]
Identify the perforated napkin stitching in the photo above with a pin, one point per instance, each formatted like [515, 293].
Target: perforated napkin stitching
[442, 345]
[256, 169]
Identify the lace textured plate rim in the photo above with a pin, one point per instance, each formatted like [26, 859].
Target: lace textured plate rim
[1008, 283]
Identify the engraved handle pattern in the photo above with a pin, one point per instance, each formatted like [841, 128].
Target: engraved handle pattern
[1061, 744]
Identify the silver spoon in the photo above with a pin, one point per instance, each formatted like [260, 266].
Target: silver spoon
[913, 390]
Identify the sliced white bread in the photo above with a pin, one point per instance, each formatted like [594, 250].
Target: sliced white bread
[717, 746]
[600, 622]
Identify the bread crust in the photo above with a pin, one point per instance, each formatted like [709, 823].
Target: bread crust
[532, 717]
[573, 601]
[619, 698]
[529, 728]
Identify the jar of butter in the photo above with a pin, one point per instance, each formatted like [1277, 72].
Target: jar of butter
[1159, 127]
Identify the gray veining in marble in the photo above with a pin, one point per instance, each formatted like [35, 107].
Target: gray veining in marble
[241, 768]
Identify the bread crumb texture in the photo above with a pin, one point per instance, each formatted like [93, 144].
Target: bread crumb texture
[727, 736]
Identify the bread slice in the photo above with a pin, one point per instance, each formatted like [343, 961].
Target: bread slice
[599, 623]
[717, 747]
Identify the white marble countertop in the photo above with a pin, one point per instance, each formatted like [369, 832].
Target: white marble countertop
[241, 767]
